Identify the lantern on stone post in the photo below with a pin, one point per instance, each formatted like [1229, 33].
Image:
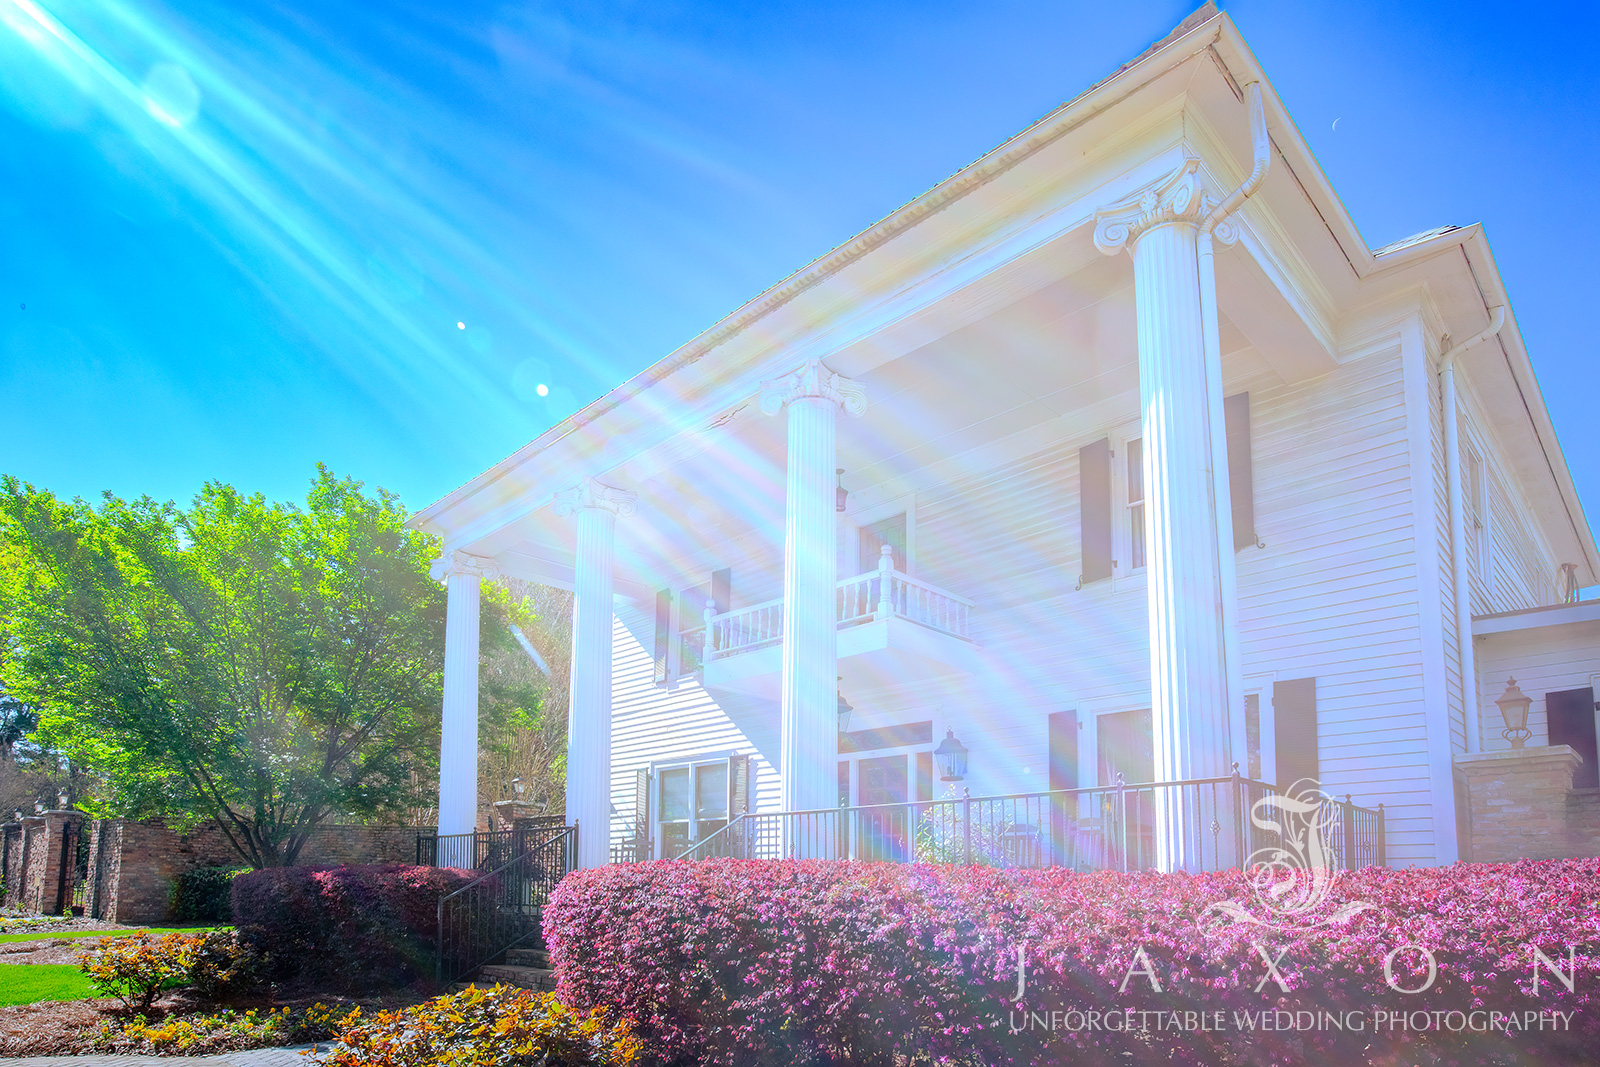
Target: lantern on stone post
[1513, 705]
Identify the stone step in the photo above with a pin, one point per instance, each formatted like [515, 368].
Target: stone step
[529, 957]
[536, 978]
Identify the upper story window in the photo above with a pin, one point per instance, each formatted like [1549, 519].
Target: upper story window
[1133, 482]
[1475, 507]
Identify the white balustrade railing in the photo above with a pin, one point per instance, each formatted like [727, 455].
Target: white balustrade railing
[864, 598]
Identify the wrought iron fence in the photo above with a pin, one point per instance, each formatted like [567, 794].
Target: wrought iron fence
[485, 848]
[500, 909]
[1214, 823]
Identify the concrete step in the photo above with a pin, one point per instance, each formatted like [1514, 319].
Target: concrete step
[529, 957]
[536, 978]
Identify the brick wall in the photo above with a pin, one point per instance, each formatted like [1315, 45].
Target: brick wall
[1521, 805]
[133, 866]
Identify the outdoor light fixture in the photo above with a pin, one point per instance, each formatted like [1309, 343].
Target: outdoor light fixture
[841, 494]
[16, 814]
[844, 712]
[1514, 709]
[952, 757]
[61, 800]
[38, 807]
[517, 787]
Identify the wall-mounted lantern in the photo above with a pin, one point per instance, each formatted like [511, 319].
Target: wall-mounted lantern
[841, 494]
[844, 713]
[1514, 709]
[952, 757]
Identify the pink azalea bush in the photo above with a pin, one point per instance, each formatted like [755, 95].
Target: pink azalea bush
[817, 962]
[355, 927]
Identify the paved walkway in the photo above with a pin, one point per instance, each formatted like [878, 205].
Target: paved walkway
[261, 1057]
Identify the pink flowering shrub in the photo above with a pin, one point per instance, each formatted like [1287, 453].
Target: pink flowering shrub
[356, 927]
[742, 963]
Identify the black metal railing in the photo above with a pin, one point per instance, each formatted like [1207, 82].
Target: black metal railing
[1214, 823]
[500, 909]
[484, 849]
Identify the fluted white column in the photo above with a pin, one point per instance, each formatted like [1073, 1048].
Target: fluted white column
[595, 508]
[458, 733]
[1187, 668]
[808, 743]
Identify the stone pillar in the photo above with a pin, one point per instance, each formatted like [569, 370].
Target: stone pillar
[594, 508]
[1187, 667]
[808, 743]
[1519, 805]
[458, 733]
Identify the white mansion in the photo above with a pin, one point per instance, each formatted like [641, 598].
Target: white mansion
[1118, 456]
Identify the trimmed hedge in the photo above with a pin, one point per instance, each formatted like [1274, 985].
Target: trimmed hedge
[204, 894]
[359, 927]
[816, 962]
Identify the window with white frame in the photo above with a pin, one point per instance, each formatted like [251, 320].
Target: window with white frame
[1476, 509]
[1128, 511]
[1133, 485]
[692, 802]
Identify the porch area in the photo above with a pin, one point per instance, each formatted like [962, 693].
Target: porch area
[1222, 822]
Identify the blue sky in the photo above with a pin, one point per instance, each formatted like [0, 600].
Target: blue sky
[237, 239]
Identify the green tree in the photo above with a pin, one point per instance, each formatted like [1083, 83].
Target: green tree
[261, 665]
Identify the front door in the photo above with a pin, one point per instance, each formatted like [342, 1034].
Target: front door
[1570, 714]
[1127, 749]
[882, 832]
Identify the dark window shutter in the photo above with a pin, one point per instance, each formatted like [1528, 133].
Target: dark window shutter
[1241, 474]
[1064, 750]
[1094, 509]
[741, 768]
[722, 590]
[924, 775]
[1294, 724]
[663, 633]
[641, 814]
[1570, 714]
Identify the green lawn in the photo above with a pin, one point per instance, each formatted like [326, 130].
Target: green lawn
[46, 935]
[26, 983]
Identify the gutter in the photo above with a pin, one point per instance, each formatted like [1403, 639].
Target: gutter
[1465, 661]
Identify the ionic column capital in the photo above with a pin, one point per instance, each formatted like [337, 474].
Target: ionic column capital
[812, 379]
[593, 493]
[1174, 198]
[452, 564]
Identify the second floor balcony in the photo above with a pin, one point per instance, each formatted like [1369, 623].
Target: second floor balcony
[890, 626]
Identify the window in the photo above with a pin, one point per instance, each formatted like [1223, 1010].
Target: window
[1473, 506]
[1134, 481]
[693, 803]
[680, 626]
[1252, 735]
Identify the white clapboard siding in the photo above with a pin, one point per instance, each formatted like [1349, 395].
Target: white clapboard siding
[650, 723]
[1544, 660]
[1335, 593]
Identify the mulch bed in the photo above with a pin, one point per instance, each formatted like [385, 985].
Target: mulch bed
[52, 1028]
[63, 1028]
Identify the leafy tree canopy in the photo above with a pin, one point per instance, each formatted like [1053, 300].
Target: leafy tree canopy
[261, 665]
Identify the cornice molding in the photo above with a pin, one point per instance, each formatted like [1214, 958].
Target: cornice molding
[455, 564]
[593, 493]
[812, 379]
